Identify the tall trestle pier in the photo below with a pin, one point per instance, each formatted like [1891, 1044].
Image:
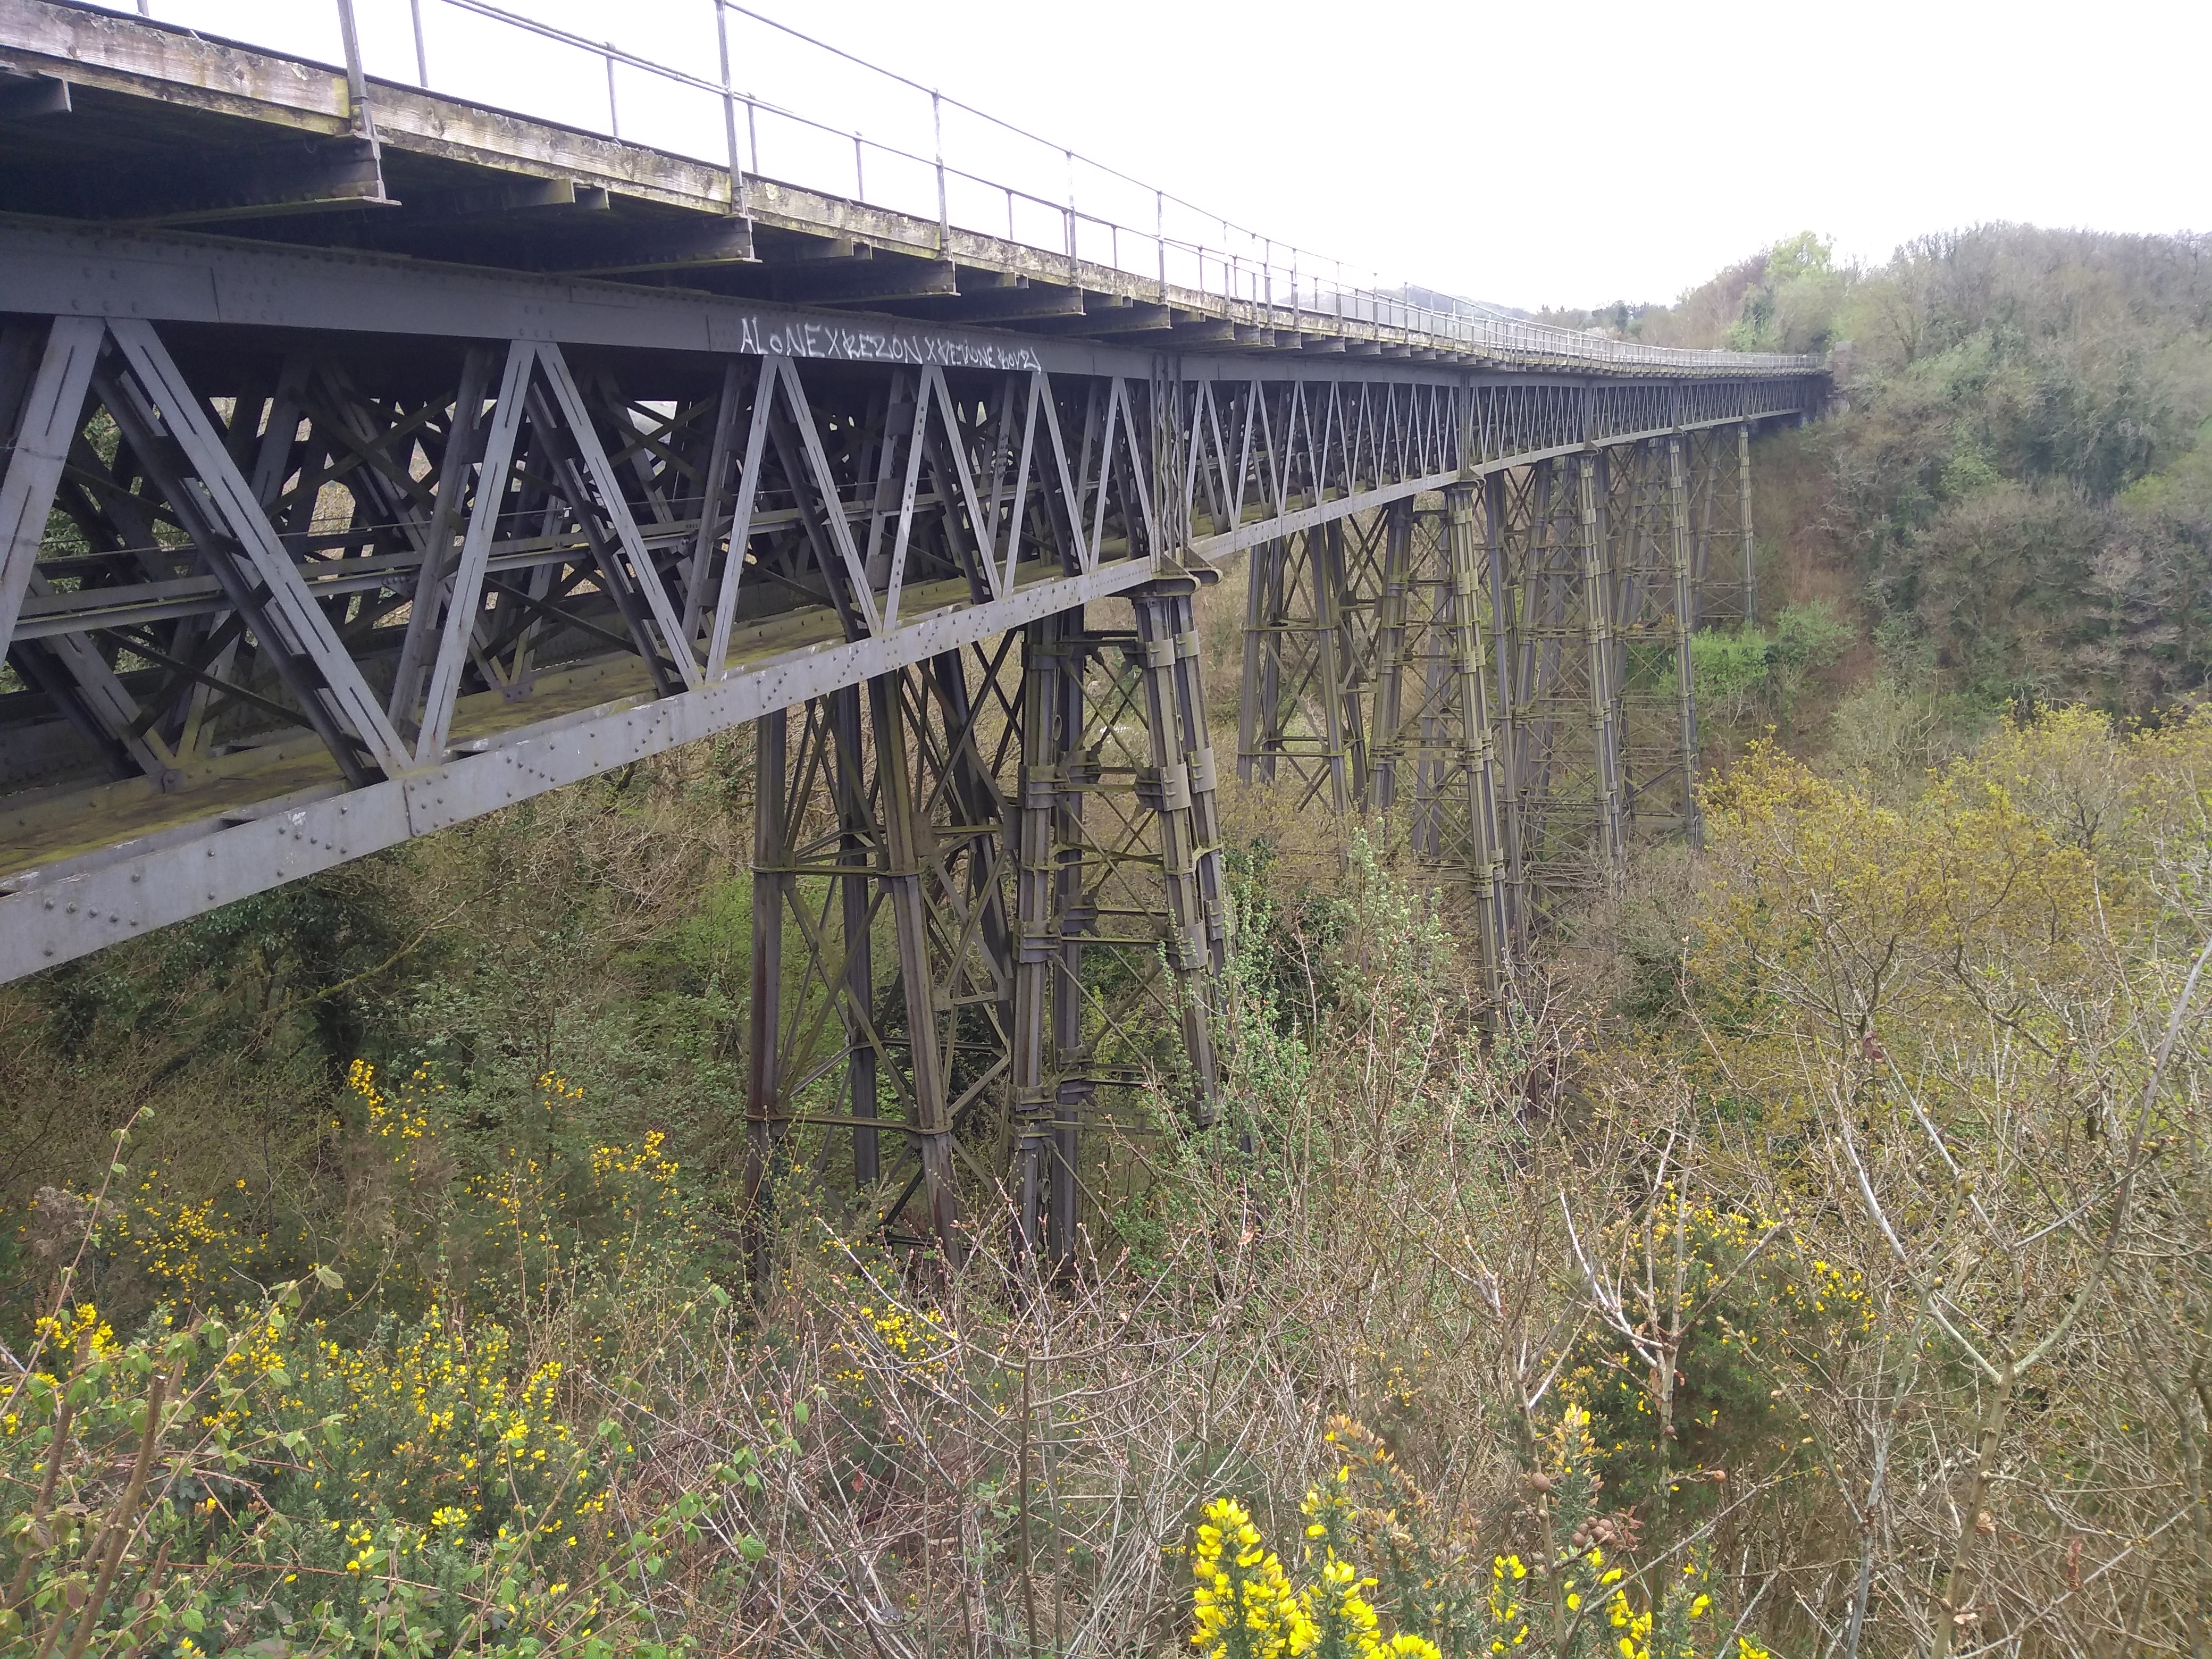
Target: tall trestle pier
[358, 520]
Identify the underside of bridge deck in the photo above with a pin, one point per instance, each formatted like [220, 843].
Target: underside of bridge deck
[306, 550]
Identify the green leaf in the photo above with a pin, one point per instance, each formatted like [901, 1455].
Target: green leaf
[192, 1619]
[279, 1376]
[751, 1547]
[799, 1414]
[328, 1278]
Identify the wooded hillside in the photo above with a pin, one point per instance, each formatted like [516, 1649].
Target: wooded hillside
[2015, 475]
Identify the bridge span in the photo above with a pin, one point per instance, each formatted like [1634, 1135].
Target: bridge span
[377, 459]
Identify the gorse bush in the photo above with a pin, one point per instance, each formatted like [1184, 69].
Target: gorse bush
[1573, 1602]
[510, 1221]
[240, 1482]
[271, 1474]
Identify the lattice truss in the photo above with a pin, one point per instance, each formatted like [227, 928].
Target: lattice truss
[363, 564]
[1249, 452]
[1507, 671]
[988, 906]
[1723, 577]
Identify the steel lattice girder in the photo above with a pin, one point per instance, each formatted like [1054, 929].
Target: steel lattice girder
[306, 553]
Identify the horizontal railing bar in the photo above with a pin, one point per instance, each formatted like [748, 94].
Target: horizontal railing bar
[1249, 275]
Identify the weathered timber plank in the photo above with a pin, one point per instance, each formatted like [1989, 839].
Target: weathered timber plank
[123, 54]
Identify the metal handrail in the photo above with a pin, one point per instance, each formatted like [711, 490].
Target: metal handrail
[1244, 268]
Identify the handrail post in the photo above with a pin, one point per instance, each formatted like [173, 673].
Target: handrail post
[357, 110]
[421, 58]
[1160, 238]
[860, 177]
[740, 192]
[943, 211]
[1070, 154]
[614, 115]
[357, 82]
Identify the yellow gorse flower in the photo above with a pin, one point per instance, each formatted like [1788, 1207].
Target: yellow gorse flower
[1243, 1604]
[1242, 1599]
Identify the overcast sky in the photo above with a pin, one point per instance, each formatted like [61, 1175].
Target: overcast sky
[1560, 156]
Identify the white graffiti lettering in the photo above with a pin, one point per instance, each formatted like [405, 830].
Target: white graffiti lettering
[845, 342]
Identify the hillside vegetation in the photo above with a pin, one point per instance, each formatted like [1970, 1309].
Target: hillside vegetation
[2014, 478]
[1814, 1258]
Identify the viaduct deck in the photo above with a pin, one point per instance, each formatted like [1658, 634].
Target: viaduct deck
[377, 459]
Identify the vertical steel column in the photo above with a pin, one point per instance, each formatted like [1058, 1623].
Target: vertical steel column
[1604, 650]
[1678, 512]
[1047, 1040]
[1477, 761]
[1262, 661]
[1701, 510]
[773, 810]
[1551, 570]
[1506, 595]
[1195, 743]
[906, 831]
[1389, 656]
[1035, 949]
[1325, 570]
[857, 913]
[1158, 608]
[1073, 1096]
[1743, 514]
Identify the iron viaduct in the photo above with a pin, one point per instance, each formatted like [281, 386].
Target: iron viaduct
[377, 458]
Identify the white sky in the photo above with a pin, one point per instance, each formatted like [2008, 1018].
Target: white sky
[1602, 151]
